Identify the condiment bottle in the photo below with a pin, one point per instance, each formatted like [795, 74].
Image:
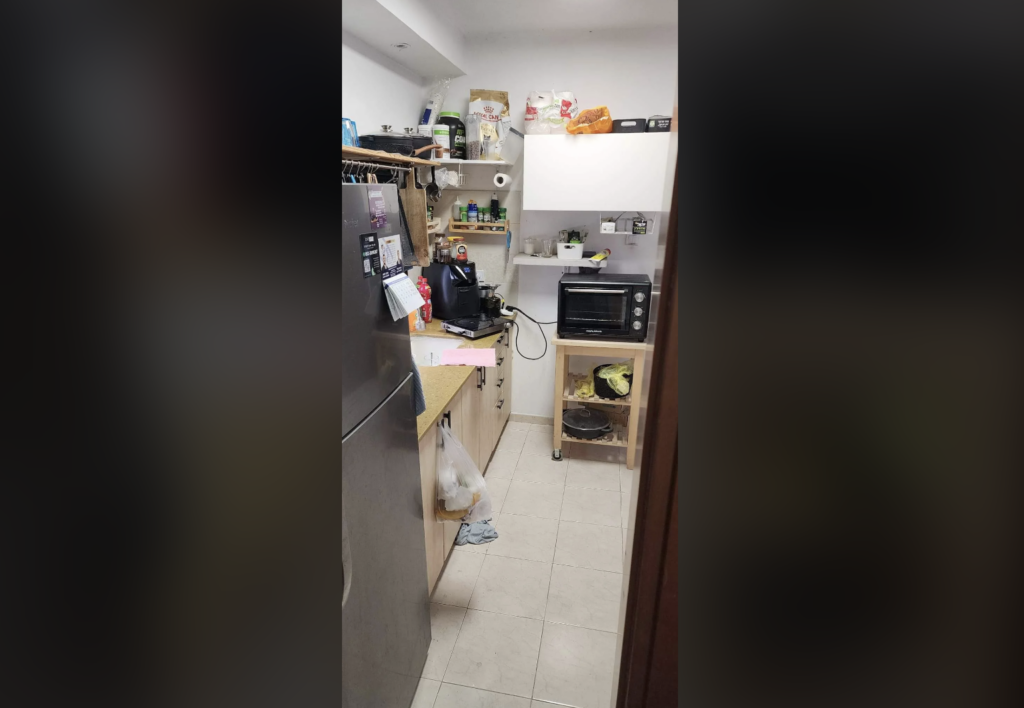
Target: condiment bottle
[456, 208]
[472, 212]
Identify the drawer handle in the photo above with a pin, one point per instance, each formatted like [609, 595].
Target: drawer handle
[501, 403]
[479, 378]
[448, 416]
[500, 382]
[595, 291]
[499, 361]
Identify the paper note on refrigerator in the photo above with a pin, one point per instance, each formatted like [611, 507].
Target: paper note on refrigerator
[403, 297]
[468, 357]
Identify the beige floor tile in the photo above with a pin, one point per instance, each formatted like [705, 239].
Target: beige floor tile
[592, 474]
[589, 546]
[624, 510]
[626, 478]
[511, 586]
[426, 692]
[592, 506]
[533, 499]
[512, 440]
[545, 429]
[502, 465]
[458, 579]
[538, 468]
[524, 427]
[445, 622]
[497, 488]
[496, 653]
[586, 451]
[539, 442]
[584, 598]
[525, 537]
[455, 696]
[575, 666]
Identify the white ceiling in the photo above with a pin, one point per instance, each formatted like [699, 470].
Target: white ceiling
[474, 17]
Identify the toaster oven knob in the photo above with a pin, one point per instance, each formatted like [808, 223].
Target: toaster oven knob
[637, 325]
[638, 311]
[639, 297]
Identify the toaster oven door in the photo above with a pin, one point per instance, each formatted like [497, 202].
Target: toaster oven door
[595, 310]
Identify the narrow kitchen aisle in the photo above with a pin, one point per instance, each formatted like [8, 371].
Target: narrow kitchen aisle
[530, 619]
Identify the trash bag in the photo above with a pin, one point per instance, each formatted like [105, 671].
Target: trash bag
[461, 490]
[615, 375]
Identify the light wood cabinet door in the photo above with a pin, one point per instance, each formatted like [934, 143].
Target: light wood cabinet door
[489, 417]
[506, 388]
[432, 531]
[472, 418]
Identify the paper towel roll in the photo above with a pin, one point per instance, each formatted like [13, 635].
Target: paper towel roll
[501, 179]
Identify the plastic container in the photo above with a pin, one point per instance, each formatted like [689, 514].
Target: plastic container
[529, 246]
[485, 215]
[456, 134]
[472, 212]
[441, 137]
[570, 251]
[349, 134]
[463, 214]
[502, 214]
[457, 209]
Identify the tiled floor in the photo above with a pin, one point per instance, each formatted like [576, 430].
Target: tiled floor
[529, 620]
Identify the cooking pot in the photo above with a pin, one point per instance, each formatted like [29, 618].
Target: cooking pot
[602, 389]
[407, 144]
[585, 423]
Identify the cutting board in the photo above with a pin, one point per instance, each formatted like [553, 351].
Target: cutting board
[414, 201]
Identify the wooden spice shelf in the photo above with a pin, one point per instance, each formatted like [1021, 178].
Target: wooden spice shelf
[487, 228]
[356, 153]
[568, 394]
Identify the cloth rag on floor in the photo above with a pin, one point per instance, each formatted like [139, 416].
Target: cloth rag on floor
[419, 400]
[476, 533]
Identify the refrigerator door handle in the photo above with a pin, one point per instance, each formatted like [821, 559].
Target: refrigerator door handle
[346, 560]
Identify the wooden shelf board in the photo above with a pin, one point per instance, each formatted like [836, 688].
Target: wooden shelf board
[567, 394]
[616, 438]
[355, 153]
[597, 344]
[477, 227]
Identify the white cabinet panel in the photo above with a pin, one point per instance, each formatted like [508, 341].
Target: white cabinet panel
[612, 172]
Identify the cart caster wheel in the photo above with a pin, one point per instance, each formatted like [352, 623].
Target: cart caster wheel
[556, 455]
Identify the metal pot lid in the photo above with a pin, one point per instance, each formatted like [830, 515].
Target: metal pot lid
[585, 419]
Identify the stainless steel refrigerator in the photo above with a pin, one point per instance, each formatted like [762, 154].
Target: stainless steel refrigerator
[385, 615]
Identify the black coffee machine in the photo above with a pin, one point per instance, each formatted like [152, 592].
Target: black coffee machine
[454, 291]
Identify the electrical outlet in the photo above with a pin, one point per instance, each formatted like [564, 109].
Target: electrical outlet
[481, 276]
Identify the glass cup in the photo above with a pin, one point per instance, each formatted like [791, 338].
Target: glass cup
[549, 247]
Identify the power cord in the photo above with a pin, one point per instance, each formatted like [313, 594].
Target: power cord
[542, 336]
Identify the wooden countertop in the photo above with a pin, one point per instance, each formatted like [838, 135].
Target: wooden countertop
[441, 383]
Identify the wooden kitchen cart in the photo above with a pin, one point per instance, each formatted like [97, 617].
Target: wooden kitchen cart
[622, 435]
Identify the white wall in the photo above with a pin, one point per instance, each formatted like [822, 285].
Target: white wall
[633, 72]
[376, 90]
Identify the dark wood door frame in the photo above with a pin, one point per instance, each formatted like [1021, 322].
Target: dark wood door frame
[648, 672]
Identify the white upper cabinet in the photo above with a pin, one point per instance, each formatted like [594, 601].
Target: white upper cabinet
[603, 173]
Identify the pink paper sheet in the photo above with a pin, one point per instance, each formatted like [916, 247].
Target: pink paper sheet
[468, 357]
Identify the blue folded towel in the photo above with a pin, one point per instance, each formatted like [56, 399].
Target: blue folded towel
[476, 533]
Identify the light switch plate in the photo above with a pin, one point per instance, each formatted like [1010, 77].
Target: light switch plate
[607, 227]
[481, 276]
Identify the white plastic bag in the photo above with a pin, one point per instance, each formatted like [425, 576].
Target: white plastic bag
[548, 112]
[461, 490]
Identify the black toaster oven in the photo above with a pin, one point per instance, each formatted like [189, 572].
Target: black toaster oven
[605, 306]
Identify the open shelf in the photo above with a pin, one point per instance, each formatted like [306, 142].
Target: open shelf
[485, 228]
[356, 153]
[556, 262]
[569, 395]
[616, 438]
[493, 163]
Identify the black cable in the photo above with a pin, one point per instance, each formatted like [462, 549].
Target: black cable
[542, 335]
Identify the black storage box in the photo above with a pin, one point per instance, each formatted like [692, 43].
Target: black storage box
[395, 142]
[628, 125]
[655, 124]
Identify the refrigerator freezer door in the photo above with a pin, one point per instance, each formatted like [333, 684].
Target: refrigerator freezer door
[385, 620]
[376, 355]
